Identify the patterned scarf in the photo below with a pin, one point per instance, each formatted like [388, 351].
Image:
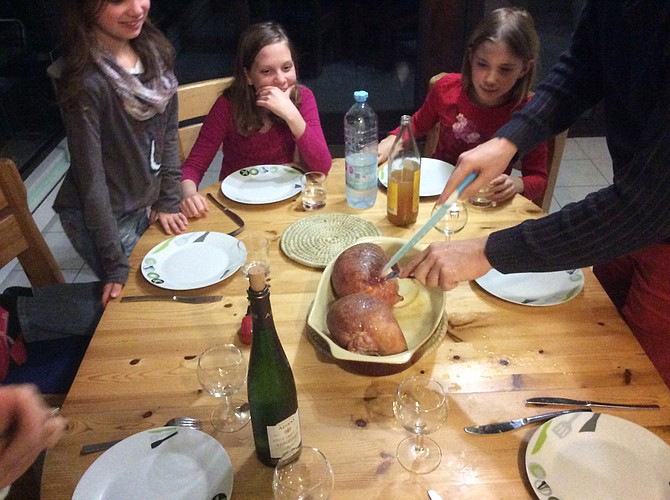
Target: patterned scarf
[140, 100]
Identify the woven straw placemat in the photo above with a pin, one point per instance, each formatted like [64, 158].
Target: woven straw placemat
[314, 241]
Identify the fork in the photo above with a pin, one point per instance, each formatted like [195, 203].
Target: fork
[562, 429]
[192, 423]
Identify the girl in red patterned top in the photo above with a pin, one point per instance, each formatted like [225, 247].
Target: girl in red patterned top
[498, 71]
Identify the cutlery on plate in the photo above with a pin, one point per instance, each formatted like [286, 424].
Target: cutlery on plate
[421, 232]
[542, 401]
[235, 218]
[511, 425]
[200, 299]
[192, 423]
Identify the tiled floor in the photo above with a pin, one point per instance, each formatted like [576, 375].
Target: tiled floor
[586, 167]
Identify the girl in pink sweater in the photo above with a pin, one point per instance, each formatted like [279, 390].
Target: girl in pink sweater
[498, 70]
[264, 117]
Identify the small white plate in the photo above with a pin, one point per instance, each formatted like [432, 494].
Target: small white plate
[533, 289]
[596, 455]
[193, 260]
[262, 184]
[187, 466]
[434, 176]
[418, 315]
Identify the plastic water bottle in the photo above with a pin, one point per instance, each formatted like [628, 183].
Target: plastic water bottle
[360, 152]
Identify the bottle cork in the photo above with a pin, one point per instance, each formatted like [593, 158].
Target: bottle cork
[256, 276]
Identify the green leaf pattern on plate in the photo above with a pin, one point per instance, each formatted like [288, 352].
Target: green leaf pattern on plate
[541, 438]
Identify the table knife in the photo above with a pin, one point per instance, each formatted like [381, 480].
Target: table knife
[235, 218]
[588, 404]
[87, 449]
[511, 425]
[200, 299]
[421, 232]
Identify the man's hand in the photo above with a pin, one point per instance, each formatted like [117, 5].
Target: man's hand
[27, 426]
[445, 264]
[489, 160]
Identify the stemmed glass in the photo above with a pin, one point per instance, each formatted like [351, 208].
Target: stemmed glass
[453, 220]
[303, 473]
[420, 405]
[222, 372]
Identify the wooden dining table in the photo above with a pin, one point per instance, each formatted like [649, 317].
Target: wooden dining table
[140, 368]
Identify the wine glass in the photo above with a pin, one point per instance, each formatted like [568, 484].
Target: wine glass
[420, 405]
[303, 473]
[221, 372]
[453, 220]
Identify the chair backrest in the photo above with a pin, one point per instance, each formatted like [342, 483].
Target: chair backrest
[20, 235]
[555, 144]
[195, 100]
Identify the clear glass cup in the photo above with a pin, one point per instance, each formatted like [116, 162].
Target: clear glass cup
[421, 407]
[313, 190]
[303, 473]
[454, 220]
[258, 256]
[222, 371]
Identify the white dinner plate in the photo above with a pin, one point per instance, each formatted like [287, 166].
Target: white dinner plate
[262, 184]
[187, 466]
[595, 455]
[434, 176]
[193, 260]
[533, 289]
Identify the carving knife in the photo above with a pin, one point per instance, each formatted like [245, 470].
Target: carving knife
[511, 425]
[200, 299]
[439, 213]
[588, 404]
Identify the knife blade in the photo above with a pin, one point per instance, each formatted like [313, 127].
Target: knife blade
[511, 425]
[434, 495]
[235, 218]
[421, 232]
[542, 401]
[200, 299]
[87, 449]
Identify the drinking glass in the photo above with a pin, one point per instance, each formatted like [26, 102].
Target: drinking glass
[453, 220]
[421, 407]
[313, 190]
[221, 372]
[303, 473]
[258, 258]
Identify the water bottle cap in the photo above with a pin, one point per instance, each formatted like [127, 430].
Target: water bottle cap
[361, 95]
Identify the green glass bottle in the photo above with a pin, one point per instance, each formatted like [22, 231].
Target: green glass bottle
[273, 399]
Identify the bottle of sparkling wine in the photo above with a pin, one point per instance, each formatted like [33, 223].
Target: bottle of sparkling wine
[404, 176]
[271, 387]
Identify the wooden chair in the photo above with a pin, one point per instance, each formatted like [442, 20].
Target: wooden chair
[20, 235]
[555, 144]
[195, 101]
[52, 364]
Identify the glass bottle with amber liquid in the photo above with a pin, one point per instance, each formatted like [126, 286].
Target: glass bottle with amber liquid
[404, 176]
[273, 399]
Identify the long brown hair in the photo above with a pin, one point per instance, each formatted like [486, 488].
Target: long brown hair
[516, 29]
[78, 35]
[247, 116]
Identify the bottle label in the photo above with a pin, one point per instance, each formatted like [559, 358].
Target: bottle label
[284, 436]
[361, 173]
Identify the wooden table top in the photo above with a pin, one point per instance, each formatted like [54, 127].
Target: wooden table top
[139, 370]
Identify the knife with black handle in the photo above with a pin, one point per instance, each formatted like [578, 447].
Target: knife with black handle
[546, 401]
